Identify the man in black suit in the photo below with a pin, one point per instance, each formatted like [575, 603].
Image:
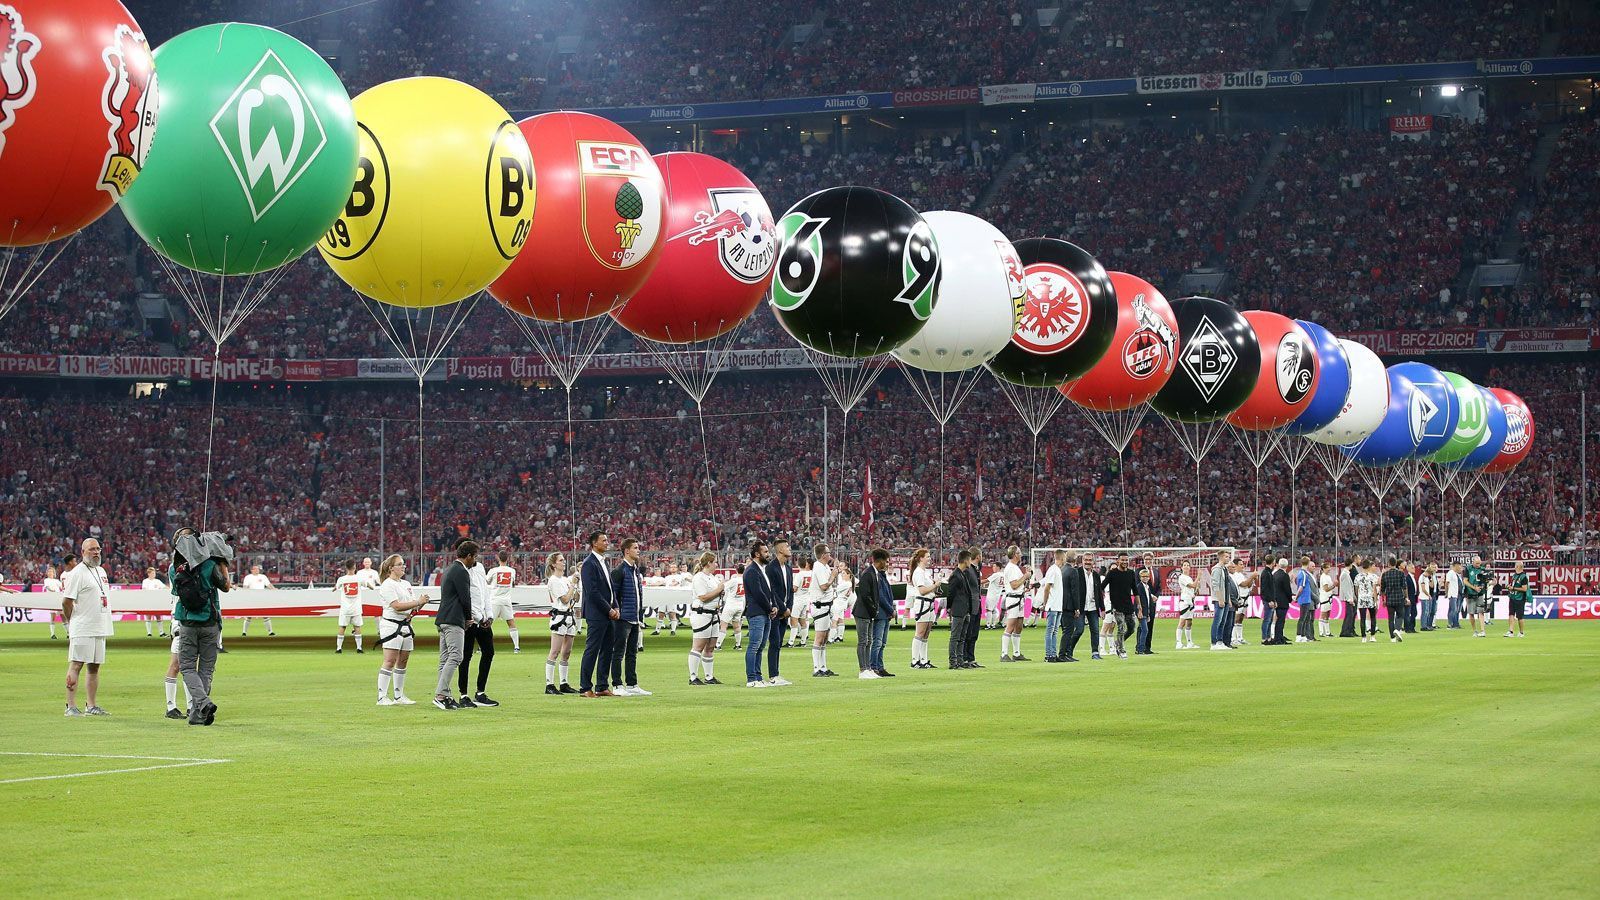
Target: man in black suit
[599, 614]
[455, 610]
[872, 621]
[1075, 599]
[1283, 591]
[1145, 599]
[961, 596]
[760, 612]
[974, 572]
[1268, 590]
[781, 575]
[1412, 592]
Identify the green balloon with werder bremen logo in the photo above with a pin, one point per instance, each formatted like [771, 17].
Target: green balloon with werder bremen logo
[1471, 425]
[256, 156]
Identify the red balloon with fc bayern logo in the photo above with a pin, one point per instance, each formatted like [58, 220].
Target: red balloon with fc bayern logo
[1142, 355]
[598, 220]
[1288, 373]
[78, 105]
[1519, 432]
[716, 257]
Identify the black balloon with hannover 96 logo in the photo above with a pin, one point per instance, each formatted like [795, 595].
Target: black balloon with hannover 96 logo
[1068, 319]
[857, 272]
[1219, 361]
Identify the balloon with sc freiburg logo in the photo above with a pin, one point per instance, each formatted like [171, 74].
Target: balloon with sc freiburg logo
[443, 196]
[257, 155]
[1333, 382]
[1288, 376]
[857, 274]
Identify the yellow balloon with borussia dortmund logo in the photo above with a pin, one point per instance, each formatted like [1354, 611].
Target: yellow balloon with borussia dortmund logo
[443, 195]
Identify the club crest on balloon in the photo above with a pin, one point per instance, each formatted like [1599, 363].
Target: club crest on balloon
[1516, 429]
[129, 103]
[1150, 349]
[1056, 312]
[1208, 359]
[269, 132]
[1296, 368]
[919, 263]
[1422, 413]
[801, 262]
[508, 187]
[742, 227]
[368, 207]
[1016, 279]
[621, 202]
[17, 79]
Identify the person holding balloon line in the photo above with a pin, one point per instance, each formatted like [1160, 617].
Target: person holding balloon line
[563, 623]
[705, 620]
[1014, 582]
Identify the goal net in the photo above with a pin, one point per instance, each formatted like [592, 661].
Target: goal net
[1164, 562]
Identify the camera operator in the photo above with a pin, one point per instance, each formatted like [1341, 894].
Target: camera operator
[199, 570]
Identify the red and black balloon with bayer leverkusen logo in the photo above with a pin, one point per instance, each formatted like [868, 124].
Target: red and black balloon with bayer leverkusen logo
[1068, 319]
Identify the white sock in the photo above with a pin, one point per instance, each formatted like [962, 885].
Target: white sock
[399, 682]
[919, 649]
[148, 631]
[816, 659]
[705, 666]
[385, 676]
[516, 639]
[563, 673]
[244, 630]
[1238, 634]
[694, 664]
[549, 672]
[338, 642]
[172, 693]
[1016, 644]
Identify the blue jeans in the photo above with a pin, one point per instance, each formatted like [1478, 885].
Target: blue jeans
[1430, 609]
[759, 631]
[880, 637]
[1052, 625]
[1219, 619]
[1267, 614]
[1455, 612]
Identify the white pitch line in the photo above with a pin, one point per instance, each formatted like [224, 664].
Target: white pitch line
[167, 762]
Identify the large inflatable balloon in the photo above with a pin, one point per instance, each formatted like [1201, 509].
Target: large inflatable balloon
[858, 272]
[1394, 439]
[980, 296]
[1288, 375]
[1143, 354]
[78, 110]
[1218, 362]
[1067, 321]
[1519, 432]
[1333, 382]
[1471, 421]
[438, 210]
[716, 258]
[1494, 434]
[258, 151]
[600, 223]
[1434, 408]
[1366, 402]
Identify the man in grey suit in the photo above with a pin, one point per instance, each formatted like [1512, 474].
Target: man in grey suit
[455, 610]
[1223, 594]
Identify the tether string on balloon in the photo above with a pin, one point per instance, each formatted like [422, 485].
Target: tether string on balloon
[40, 259]
[1117, 428]
[1257, 445]
[1379, 480]
[942, 393]
[1412, 472]
[1294, 453]
[1197, 440]
[1036, 407]
[1337, 463]
[846, 372]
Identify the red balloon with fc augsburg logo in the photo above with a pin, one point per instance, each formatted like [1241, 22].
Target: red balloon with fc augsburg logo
[1142, 355]
[1519, 432]
[78, 107]
[1289, 373]
[598, 221]
[716, 260]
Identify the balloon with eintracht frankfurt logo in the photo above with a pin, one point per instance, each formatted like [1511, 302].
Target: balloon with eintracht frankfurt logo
[1068, 319]
[857, 274]
[1219, 362]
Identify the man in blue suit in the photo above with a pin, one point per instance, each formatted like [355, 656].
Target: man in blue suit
[760, 611]
[599, 612]
[780, 574]
[627, 588]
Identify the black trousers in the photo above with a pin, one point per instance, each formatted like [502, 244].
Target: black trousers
[1281, 617]
[625, 654]
[596, 655]
[483, 637]
[1073, 628]
[1307, 622]
[863, 644]
[1348, 629]
[1369, 620]
[780, 625]
[1397, 619]
[958, 638]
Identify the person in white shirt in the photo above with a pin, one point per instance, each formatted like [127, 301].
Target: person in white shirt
[152, 583]
[395, 636]
[502, 579]
[367, 575]
[666, 614]
[1015, 584]
[256, 581]
[732, 613]
[705, 620]
[1367, 603]
[1454, 582]
[1245, 581]
[1053, 597]
[919, 594]
[1428, 593]
[52, 585]
[563, 622]
[348, 589]
[821, 607]
[479, 638]
[86, 607]
[1186, 595]
[1327, 587]
[993, 598]
[844, 594]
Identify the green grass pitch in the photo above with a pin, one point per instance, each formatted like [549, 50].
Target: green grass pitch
[1444, 767]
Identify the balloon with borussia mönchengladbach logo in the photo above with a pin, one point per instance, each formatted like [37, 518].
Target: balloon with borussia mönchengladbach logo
[443, 196]
[1068, 317]
[1143, 354]
[980, 292]
[1218, 362]
[257, 151]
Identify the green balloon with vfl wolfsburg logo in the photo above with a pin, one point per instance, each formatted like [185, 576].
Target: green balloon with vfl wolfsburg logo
[256, 157]
[1470, 425]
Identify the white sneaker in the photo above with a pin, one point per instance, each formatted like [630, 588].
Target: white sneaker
[385, 701]
[780, 682]
[403, 700]
[73, 712]
[640, 692]
[755, 684]
[1394, 640]
[625, 691]
[1191, 647]
[865, 675]
[1220, 646]
[1510, 634]
[1399, 638]
[1298, 639]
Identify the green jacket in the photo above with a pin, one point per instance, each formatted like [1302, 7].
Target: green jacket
[1476, 581]
[1519, 586]
[208, 580]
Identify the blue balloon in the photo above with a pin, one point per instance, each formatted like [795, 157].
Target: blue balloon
[1494, 437]
[1392, 442]
[1333, 385]
[1435, 411]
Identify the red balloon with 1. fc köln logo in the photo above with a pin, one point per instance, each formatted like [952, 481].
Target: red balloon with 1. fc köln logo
[1143, 351]
[1068, 318]
[78, 105]
[716, 257]
[1288, 375]
[598, 220]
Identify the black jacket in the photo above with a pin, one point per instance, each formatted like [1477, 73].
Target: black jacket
[866, 608]
[455, 597]
[1120, 585]
[961, 592]
[782, 577]
[1074, 589]
[1283, 586]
